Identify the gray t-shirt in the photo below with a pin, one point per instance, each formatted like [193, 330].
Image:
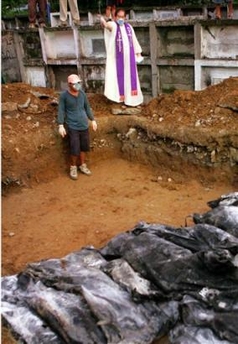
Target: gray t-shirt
[74, 110]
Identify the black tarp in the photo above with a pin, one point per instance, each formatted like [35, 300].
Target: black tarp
[147, 282]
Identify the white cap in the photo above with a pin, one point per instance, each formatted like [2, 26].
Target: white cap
[73, 79]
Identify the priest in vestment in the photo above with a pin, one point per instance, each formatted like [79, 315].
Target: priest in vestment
[123, 51]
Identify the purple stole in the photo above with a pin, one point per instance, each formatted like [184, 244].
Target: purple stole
[120, 62]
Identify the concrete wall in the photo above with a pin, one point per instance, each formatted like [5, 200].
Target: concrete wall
[181, 52]
[10, 65]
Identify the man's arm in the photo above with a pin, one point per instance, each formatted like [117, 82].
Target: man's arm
[89, 112]
[87, 107]
[61, 116]
[61, 109]
[105, 24]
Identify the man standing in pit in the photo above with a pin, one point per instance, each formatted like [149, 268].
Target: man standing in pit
[73, 115]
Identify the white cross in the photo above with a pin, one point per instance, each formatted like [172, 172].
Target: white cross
[119, 42]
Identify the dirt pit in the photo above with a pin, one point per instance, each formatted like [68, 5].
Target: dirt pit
[47, 215]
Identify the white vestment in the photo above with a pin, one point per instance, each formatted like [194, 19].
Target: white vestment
[111, 90]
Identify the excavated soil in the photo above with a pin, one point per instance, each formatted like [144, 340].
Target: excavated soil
[159, 166]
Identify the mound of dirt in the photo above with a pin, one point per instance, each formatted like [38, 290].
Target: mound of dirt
[29, 131]
[214, 108]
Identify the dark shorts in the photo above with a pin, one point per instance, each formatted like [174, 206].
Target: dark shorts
[220, 2]
[78, 141]
[111, 2]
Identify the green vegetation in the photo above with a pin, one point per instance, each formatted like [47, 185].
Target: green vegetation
[9, 7]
